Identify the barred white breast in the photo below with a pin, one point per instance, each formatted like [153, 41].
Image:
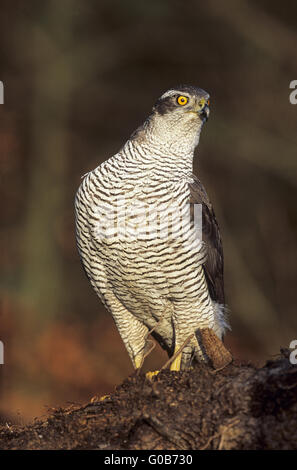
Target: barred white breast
[148, 238]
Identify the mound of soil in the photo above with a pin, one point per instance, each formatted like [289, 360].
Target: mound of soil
[238, 407]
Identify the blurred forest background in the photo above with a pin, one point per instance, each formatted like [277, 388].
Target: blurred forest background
[78, 78]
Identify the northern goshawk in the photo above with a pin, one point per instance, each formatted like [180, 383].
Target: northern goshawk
[139, 234]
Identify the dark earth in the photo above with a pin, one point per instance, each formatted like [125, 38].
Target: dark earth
[236, 407]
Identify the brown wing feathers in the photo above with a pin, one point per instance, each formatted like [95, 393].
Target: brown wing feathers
[214, 265]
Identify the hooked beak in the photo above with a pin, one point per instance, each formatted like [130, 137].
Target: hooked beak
[203, 110]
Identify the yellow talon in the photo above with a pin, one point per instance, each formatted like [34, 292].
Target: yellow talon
[103, 398]
[138, 360]
[96, 398]
[175, 365]
[150, 375]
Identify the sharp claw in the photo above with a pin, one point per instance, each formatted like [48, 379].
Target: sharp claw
[140, 357]
[175, 365]
[150, 375]
[150, 344]
[175, 361]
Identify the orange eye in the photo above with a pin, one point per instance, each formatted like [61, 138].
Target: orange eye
[182, 100]
[208, 102]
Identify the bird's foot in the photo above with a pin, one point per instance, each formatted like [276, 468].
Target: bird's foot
[150, 375]
[104, 397]
[95, 399]
[139, 358]
[175, 361]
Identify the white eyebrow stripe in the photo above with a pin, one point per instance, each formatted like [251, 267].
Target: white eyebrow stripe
[172, 92]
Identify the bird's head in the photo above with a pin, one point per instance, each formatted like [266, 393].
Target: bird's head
[178, 116]
[184, 103]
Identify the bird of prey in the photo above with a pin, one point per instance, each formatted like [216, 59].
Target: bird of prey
[154, 266]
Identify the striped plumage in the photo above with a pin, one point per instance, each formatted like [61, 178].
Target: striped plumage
[137, 239]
